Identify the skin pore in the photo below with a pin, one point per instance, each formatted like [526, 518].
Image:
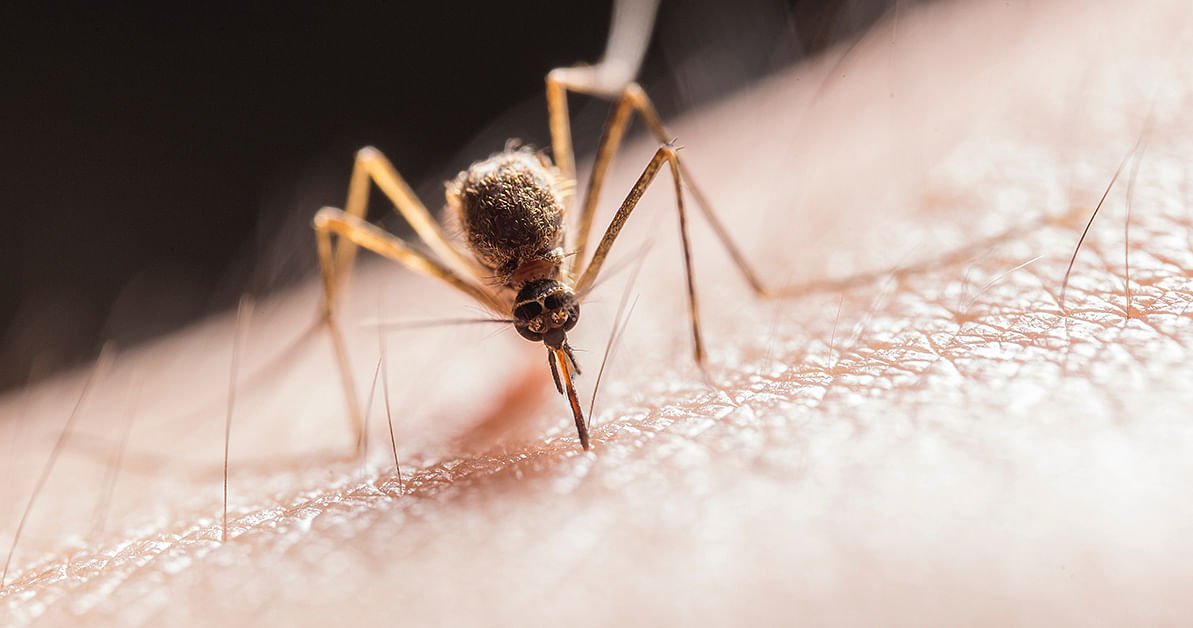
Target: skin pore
[920, 433]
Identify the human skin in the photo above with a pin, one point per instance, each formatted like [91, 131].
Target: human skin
[918, 432]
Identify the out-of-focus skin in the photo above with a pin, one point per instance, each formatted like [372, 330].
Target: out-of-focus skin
[937, 441]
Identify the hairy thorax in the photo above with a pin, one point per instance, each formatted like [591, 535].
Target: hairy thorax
[510, 209]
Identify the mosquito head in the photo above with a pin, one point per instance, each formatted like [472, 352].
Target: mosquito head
[544, 310]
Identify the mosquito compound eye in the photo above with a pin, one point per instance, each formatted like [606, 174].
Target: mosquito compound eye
[573, 318]
[527, 311]
[553, 301]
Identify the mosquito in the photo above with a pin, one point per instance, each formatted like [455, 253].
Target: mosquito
[517, 257]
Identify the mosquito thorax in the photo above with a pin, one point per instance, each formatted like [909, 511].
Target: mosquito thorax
[544, 310]
[510, 211]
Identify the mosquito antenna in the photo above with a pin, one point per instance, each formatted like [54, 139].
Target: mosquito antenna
[612, 271]
[286, 358]
[244, 313]
[444, 322]
[102, 365]
[614, 341]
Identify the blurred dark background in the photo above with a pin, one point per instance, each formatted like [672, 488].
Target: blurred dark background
[157, 161]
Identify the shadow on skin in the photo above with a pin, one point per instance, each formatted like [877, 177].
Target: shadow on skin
[943, 443]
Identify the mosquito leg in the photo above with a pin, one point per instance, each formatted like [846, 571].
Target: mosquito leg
[615, 128]
[560, 126]
[629, 99]
[632, 96]
[664, 154]
[739, 260]
[629, 35]
[330, 220]
[359, 232]
[635, 98]
[373, 166]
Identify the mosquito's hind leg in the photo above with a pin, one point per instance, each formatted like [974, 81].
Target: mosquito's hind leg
[629, 34]
[630, 98]
[667, 154]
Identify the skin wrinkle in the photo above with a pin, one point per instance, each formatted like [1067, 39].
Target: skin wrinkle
[1017, 463]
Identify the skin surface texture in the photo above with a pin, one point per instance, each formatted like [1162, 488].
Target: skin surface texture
[920, 432]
